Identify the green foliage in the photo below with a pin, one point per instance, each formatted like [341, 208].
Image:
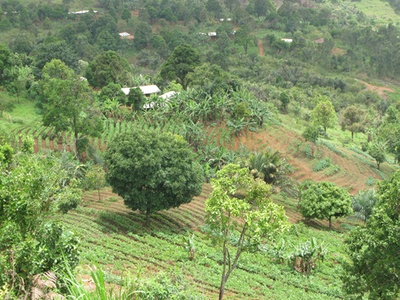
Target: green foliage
[136, 98]
[306, 255]
[69, 102]
[374, 248]
[5, 63]
[77, 289]
[243, 37]
[322, 164]
[248, 220]
[311, 133]
[179, 64]
[213, 80]
[353, 119]
[95, 178]
[6, 103]
[389, 130]
[363, 204]
[108, 67]
[333, 148]
[370, 181]
[6, 154]
[189, 245]
[324, 200]
[112, 91]
[152, 170]
[324, 113]
[166, 286]
[32, 191]
[377, 150]
[269, 166]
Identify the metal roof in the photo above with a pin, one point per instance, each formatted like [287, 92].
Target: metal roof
[146, 89]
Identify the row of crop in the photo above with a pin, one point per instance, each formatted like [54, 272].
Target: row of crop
[127, 242]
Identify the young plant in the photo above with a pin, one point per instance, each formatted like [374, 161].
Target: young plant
[240, 209]
[306, 255]
[189, 245]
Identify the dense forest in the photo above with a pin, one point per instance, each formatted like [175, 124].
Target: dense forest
[160, 148]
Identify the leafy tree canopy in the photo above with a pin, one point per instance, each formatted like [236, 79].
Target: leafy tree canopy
[180, 63]
[69, 102]
[246, 220]
[352, 119]
[108, 67]
[374, 249]
[324, 200]
[152, 170]
[212, 79]
[324, 113]
[32, 190]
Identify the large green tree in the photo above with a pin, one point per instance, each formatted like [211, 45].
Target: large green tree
[109, 67]
[243, 37]
[240, 216]
[324, 113]
[377, 150]
[69, 103]
[212, 79]
[389, 131]
[33, 190]
[374, 249]
[152, 170]
[180, 63]
[325, 200]
[352, 119]
[5, 62]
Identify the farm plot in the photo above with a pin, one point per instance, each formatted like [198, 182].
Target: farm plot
[114, 237]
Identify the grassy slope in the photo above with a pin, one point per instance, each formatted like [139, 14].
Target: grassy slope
[112, 236]
[380, 11]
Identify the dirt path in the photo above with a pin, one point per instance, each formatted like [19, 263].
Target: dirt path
[380, 90]
[260, 48]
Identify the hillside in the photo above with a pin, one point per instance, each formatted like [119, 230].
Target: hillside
[309, 87]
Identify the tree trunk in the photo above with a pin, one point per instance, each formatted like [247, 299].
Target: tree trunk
[222, 288]
[352, 135]
[223, 277]
[330, 222]
[147, 221]
[76, 142]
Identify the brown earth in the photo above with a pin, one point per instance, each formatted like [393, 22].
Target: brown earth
[380, 90]
[353, 173]
[260, 48]
[337, 51]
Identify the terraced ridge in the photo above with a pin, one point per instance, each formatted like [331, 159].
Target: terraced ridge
[114, 237]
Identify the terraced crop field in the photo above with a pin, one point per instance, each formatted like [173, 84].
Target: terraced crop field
[114, 237]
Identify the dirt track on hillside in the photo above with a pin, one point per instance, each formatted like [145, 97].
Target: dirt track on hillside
[380, 90]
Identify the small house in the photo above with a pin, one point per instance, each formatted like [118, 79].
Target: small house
[126, 35]
[81, 12]
[147, 90]
[287, 40]
[212, 35]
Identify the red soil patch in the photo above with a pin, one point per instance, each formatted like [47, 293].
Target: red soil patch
[380, 90]
[338, 52]
[260, 48]
[352, 175]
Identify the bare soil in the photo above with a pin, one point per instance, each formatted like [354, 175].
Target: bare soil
[260, 48]
[352, 175]
[380, 90]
